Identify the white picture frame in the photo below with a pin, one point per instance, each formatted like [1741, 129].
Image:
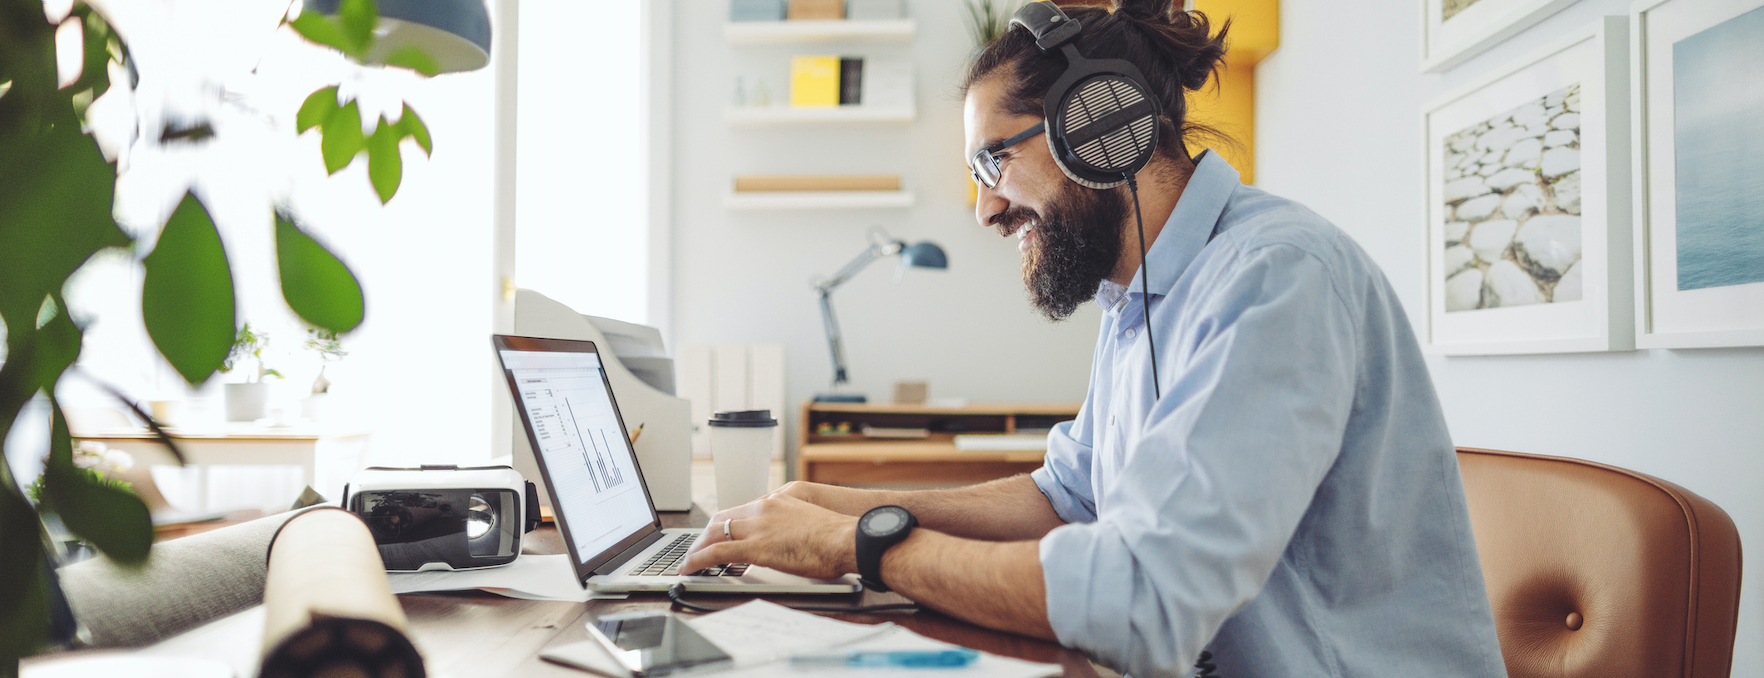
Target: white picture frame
[1510, 212]
[1666, 316]
[1447, 42]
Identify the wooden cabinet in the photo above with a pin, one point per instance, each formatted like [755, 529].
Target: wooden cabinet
[914, 446]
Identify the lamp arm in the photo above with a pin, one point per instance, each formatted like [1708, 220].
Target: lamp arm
[858, 263]
[833, 339]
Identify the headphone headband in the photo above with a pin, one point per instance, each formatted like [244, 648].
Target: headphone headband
[1048, 23]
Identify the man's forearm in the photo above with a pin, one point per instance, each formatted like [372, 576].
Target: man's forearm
[1007, 509]
[994, 584]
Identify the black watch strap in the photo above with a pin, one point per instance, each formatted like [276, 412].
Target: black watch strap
[877, 531]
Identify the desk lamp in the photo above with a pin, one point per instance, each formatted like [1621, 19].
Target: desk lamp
[922, 254]
[455, 33]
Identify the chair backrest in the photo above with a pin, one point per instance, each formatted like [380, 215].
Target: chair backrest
[1594, 570]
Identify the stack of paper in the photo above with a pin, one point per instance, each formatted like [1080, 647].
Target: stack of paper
[530, 577]
[762, 636]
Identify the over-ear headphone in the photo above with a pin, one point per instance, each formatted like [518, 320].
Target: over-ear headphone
[1102, 120]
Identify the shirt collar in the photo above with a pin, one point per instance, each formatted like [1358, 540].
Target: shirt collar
[1189, 228]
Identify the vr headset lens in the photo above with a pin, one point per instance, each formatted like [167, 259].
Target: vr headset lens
[462, 528]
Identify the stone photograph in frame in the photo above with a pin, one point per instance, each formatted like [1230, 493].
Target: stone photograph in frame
[1455, 30]
[1527, 210]
[1698, 78]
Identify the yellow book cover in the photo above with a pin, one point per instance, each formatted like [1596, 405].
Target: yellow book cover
[814, 81]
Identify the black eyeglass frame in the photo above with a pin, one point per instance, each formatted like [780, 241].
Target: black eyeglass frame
[983, 158]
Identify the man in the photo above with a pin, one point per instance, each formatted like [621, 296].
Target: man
[1291, 499]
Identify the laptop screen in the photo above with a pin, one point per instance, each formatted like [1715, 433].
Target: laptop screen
[580, 445]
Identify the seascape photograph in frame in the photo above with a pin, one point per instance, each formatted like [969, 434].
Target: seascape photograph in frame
[1527, 215]
[1453, 31]
[1699, 172]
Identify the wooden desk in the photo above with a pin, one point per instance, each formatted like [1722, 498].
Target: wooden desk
[858, 460]
[244, 445]
[481, 634]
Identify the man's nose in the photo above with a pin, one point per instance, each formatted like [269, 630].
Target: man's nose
[987, 204]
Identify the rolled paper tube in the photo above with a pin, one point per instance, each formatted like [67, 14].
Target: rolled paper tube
[328, 609]
[187, 582]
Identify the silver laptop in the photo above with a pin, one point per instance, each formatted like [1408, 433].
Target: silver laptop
[603, 509]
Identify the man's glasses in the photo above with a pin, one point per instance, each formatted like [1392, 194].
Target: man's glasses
[986, 167]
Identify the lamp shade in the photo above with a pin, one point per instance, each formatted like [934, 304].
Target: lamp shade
[455, 33]
[923, 254]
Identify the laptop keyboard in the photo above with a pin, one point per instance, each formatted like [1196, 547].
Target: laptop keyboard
[666, 562]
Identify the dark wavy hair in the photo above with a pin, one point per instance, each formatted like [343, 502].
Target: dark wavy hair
[1175, 50]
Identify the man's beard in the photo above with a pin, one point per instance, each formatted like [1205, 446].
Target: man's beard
[1077, 243]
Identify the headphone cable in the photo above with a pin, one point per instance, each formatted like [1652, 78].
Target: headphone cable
[1144, 291]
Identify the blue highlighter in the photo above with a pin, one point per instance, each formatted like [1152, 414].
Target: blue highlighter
[940, 659]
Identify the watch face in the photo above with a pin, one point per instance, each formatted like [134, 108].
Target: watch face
[883, 523]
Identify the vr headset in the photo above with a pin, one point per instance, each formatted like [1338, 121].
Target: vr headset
[444, 517]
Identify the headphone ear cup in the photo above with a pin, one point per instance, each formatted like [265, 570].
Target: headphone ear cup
[1103, 128]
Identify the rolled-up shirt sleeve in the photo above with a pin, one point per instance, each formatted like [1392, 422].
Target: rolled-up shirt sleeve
[1259, 384]
[1064, 475]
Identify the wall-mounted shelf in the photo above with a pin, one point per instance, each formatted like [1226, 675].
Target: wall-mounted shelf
[754, 116]
[809, 200]
[785, 32]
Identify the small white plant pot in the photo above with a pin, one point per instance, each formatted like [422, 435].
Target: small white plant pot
[247, 402]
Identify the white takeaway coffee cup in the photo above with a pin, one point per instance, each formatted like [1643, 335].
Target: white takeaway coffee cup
[741, 448]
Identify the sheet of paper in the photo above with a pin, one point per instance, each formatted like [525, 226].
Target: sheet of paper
[759, 632]
[895, 638]
[530, 577]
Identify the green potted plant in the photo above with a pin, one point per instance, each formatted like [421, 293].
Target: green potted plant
[247, 400]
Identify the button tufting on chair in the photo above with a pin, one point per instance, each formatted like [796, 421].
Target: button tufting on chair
[1593, 570]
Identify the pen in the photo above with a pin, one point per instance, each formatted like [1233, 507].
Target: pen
[637, 434]
[937, 659]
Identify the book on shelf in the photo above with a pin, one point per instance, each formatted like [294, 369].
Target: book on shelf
[756, 10]
[830, 182]
[851, 78]
[816, 10]
[1001, 442]
[814, 81]
[895, 433]
[873, 10]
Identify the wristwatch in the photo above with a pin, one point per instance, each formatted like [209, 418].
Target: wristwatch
[880, 529]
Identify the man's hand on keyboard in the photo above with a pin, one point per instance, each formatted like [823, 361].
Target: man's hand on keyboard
[780, 532]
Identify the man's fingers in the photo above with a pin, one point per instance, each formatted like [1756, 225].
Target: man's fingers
[721, 553]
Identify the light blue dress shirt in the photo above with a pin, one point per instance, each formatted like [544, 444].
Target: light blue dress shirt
[1292, 502]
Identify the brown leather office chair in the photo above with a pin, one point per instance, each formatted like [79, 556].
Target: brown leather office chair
[1595, 570]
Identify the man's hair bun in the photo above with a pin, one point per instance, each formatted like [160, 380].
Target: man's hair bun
[1146, 10]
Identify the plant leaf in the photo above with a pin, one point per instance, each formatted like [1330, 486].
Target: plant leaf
[317, 109]
[24, 603]
[342, 138]
[413, 58]
[57, 347]
[357, 19]
[320, 29]
[413, 126]
[55, 198]
[187, 294]
[318, 286]
[113, 519]
[385, 163]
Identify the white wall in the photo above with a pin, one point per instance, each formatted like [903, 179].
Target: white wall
[1337, 107]
[743, 277]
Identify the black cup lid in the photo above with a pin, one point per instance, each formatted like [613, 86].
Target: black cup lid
[745, 418]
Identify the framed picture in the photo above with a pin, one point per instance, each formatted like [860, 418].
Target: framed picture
[1455, 30]
[1699, 172]
[1527, 214]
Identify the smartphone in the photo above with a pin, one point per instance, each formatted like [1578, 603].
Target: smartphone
[656, 643]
